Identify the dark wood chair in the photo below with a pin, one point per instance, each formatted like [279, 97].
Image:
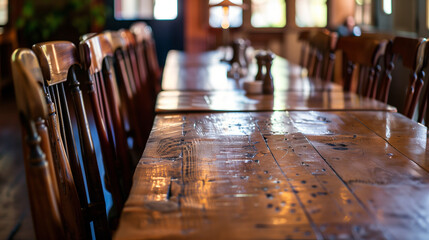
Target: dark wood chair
[105, 100]
[147, 47]
[143, 101]
[364, 53]
[383, 87]
[77, 210]
[127, 76]
[40, 173]
[412, 52]
[303, 38]
[322, 56]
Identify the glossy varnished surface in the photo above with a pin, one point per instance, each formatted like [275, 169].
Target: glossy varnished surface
[183, 101]
[281, 175]
[206, 72]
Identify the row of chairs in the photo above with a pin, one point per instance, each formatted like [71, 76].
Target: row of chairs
[367, 64]
[85, 112]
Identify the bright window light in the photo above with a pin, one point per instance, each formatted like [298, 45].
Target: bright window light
[387, 6]
[145, 9]
[311, 13]
[268, 13]
[165, 9]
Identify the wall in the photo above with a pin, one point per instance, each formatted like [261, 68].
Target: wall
[196, 34]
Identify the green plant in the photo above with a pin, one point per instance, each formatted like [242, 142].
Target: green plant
[46, 21]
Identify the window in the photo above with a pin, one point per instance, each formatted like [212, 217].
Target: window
[387, 6]
[311, 13]
[363, 13]
[233, 15]
[145, 9]
[4, 15]
[268, 13]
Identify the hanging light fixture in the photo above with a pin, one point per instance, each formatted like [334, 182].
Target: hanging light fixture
[225, 4]
[225, 24]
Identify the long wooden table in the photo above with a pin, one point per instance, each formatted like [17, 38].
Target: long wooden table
[190, 101]
[338, 166]
[205, 72]
[281, 175]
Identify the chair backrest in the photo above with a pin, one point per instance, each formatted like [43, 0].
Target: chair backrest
[103, 93]
[144, 103]
[61, 71]
[40, 173]
[381, 90]
[303, 38]
[126, 75]
[365, 53]
[412, 52]
[322, 45]
[144, 36]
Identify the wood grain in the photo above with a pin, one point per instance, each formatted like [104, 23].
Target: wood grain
[183, 101]
[279, 175]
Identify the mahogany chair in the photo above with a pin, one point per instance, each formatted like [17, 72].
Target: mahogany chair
[96, 55]
[126, 70]
[383, 87]
[147, 47]
[58, 152]
[365, 53]
[40, 173]
[62, 73]
[386, 75]
[412, 51]
[144, 103]
[303, 38]
[322, 57]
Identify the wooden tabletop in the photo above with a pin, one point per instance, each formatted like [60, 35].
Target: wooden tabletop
[281, 175]
[180, 58]
[206, 72]
[185, 101]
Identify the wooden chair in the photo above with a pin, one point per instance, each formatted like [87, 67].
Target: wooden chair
[383, 87]
[146, 46]
[412, 52]
[61, 89]
[386, 76]
[303, 38]
[62, 71]
[144, 103]
[366, 53]
[322, 55]
[103, 93]
[127, 76]
[40, 173]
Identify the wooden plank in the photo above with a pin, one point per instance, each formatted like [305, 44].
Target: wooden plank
[181, 101]
[391, 186]
[408, 137]
[331, 206]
